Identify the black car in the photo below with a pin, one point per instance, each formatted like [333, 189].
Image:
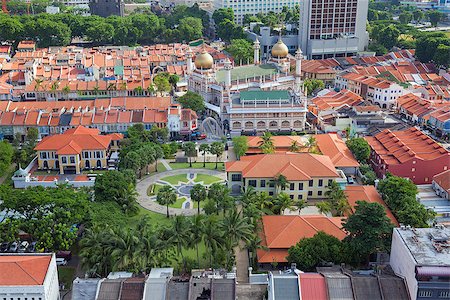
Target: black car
[4, 247]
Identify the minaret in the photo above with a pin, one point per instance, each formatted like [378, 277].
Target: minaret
[256, 48]
[228, 67]
[298, 70]
[189, 56]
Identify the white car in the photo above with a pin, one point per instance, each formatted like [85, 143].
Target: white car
[23, 246]
[61, 262]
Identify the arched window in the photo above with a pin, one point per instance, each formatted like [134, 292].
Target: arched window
[237, 125]
[273, 124]
[45, 164]
[297, 124]
[286, 124]
[261, 124]
[99, 164]
[248, 125]
[88, 164]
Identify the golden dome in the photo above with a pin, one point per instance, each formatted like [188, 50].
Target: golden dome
[280, 50]
[204, 60]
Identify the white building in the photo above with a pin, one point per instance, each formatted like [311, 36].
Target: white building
[28, 276]
[422, 257]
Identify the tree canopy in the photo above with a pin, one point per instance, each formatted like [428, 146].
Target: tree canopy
[192, 101]
[360, 148]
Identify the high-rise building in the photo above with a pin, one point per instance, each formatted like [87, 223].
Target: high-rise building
[106, 8]
[333, 28]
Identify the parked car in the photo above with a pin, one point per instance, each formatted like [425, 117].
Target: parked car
[61, 262]
[13, 247]
[23, 246]
[350, 180]
[4, 247]
[32, 247]
[67, 255]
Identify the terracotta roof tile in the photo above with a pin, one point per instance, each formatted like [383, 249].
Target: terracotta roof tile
[334, 147]
[23, 270]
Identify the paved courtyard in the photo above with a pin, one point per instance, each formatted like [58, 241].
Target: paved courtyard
[181, 184]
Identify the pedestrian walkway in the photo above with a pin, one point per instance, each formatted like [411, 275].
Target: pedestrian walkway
[150, 203]
[166, 164]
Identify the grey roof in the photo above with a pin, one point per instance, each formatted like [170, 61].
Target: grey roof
[155, 289]
[223, 289]
[339, 286]
[84, 289]
[177, 290]
[64, 119]
[393, 288]
[366, 287]
[110, 289]
[286, 288]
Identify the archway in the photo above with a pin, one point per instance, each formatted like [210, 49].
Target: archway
[211, 127]
[45, 164]
[88, 164]
[248, 125]
[99, 164]
[237, 125]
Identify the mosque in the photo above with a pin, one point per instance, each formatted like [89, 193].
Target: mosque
[263, 96]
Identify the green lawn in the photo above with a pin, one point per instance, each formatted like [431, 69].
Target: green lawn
[197, 165]
[156, 219]
[155, 187]
[206, 179]
[66, 276]
[176, 178]
[178, 203]
[191, 254]
[161, 167]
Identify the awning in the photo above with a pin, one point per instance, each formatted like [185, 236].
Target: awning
[433, 271]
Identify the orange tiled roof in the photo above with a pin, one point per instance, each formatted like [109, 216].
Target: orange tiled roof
[282, 232]
[335, 148]
[334, 100]
[369, 194]
[443, 180]
[295, 166]
[23, 270]
[397, 147]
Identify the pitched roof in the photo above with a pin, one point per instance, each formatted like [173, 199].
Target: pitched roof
[312, 286]
[21, 270]
[369, 194]
[74, 140]
[334, 147]
[295, 166]
[397, 147]
[333, 100]
[443, 180]
[281, 232]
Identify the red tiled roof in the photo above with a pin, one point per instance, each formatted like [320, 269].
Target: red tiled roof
[313, 286]
[295, 166]
[334, 100]
[334, 147]
[282, 232]
[23, 270]
[443, 180]
[369, 194]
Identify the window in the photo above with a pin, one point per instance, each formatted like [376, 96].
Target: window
[330, 181]
[292, 186]
[271, 183]
[413, 169]
[319, 193]
[300, 186]
[291, 196]
[425, 294]
[270, 193]
[64, 160]
[309, 193]
[252, 183]
[236, 177]
[311, 182]
[320, 182]
[444, 294]
[300, 197]
[263, 183]
[72, 159]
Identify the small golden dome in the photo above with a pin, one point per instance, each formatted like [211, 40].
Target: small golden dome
[280, 50]
[204, 60]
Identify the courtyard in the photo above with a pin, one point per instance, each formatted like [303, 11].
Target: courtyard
[182, 181]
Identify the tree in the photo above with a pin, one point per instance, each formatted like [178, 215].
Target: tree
[282, 202]
[190, 29]
[294, 147]
[311, 144]
[324, 207]
[227, 30]
[442, 55]
[111, 185]
[418, 15]
[196, 233]
[427, 46]
[310, 253]
[180, 235]
[435, 17]
[100, 32]
[405, 17]
[386, 35]
[162, 84]
[212, 236]
[369, 230]
[166, 196]
[51, 33]
[204, 148]
[337, 200]
[219, 193]
[313, 85]
[241, 50]
[6, 155]
[281, 183]
[240, 146]
[217, 149]
[133, 161]
[190, 151]
[263, 202]
[266, 143]
[10, 28]
[222, 14]
[192, 100]
[360, 149]
[198, 194]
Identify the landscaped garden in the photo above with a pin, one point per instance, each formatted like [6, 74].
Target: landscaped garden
[197, 165]
[206, 179]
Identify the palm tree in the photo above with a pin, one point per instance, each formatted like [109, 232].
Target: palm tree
[281, 183]
[38, 82]
[66, 91]
[213, 236]
[266, 143]
[54, 86]
[324, 207]
[111, 87]
[96, 251]
[196, 231]
[294, 147]
[342, 207]
[204, 148]
[283, 202]
[151, 90]
[166, 196]
[263, 202]
[236, 227]
[129, 200]
[124, 254]
[337, 199]
[123, 86]
[190, 151]
[180, 235]
[198, 194]
[248, 196]
[96, 89]
[217, 148]
[139, 90]
[311, 144]
[253, 245]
